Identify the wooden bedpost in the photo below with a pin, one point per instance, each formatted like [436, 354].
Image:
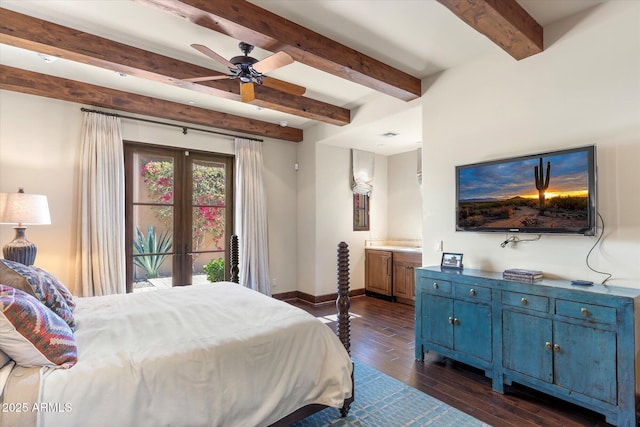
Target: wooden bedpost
[234, 259]
[343, 303]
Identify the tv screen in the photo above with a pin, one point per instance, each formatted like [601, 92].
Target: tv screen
[540, 193]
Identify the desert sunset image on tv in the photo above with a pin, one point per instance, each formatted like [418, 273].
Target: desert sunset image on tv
[546, 192]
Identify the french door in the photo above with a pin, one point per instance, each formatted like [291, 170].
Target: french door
[179, 216]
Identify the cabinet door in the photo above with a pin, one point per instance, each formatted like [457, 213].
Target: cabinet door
[585, 360]
[436, 327]
[403, 280]
[404, 274]
[378, 272]
[472, 329]
[525, 349]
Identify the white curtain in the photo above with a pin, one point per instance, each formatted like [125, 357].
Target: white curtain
[251, 216]
[362, 163]
[100, 257]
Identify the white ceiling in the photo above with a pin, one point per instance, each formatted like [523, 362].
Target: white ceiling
[419, 37]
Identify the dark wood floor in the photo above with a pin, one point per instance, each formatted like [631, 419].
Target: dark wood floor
[383, 338]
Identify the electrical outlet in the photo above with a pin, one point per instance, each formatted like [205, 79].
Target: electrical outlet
[437, 246]
[274, 283]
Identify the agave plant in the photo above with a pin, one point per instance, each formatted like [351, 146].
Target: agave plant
[151, 245]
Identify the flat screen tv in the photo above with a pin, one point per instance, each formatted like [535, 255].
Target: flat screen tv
[541, 193]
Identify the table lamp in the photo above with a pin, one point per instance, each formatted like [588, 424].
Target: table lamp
[21, 208]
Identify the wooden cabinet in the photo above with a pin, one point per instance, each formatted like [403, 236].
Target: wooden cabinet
[378, 272]
[404, 275]
[392, 273]
[577, 344]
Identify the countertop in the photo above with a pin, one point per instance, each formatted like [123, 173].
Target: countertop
[408, 249]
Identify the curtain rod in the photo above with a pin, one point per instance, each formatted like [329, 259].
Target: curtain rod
[184, 128]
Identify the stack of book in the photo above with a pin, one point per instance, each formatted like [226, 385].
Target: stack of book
[522, 275]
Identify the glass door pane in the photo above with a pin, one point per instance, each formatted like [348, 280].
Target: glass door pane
[208, 210]
[152, 220]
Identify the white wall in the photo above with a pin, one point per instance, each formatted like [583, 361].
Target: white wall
[583, 89]
[405, 200]
[325, 215]
[39, 150]
[334, 215]
[280, 176]
[306, 216]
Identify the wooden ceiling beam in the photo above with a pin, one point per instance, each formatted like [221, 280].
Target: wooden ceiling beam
[30, 33]
[504, 22]
[247, 22]
[18, 80]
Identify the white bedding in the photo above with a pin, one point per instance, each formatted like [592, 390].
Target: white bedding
[210, 355]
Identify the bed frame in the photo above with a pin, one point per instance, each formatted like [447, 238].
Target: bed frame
[343, 328]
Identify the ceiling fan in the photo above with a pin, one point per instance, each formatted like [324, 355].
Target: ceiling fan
[250, 70]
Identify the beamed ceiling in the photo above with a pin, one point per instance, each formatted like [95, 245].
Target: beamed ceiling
[504, 22]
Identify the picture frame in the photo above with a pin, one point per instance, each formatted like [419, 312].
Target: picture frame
[451, 261]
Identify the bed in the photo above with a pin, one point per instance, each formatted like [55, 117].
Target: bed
[212, 355]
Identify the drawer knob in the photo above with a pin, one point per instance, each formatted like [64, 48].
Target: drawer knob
[548, 345]
[456, 321]
[473, 292]
[451, 320]
[524, 301]
[556, 348]
[584, 311]
[435, 285]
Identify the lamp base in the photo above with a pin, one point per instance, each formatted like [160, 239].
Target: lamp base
[20, 249]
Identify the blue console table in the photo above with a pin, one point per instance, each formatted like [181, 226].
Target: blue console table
[576, 343]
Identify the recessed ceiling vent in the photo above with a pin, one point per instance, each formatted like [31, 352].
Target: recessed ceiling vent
[389, 134]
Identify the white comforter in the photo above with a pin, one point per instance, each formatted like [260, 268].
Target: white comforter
[207, 355]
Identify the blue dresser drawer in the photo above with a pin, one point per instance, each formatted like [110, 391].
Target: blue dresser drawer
[472, 291]
[436, 286]
[591, 312]
[531, 302]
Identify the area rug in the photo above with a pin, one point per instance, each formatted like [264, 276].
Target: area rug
[383, 401]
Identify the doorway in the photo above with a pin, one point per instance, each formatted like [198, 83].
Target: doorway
[179, 216]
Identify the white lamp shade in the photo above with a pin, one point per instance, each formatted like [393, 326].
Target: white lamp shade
[23, 208]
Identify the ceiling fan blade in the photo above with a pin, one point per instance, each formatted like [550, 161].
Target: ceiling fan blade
[283, 86]
[211, 54]
[207, 78]
[246, 92]
[272, 62]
